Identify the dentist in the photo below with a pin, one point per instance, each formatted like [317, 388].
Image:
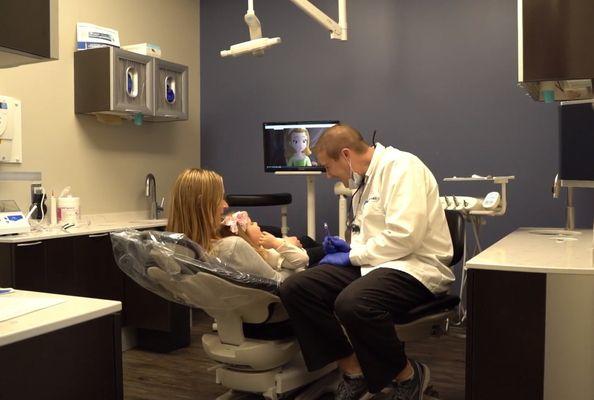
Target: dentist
[397, 259]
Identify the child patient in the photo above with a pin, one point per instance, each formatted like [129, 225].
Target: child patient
[245, 247]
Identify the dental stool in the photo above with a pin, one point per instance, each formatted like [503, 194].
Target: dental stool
[253, 341]
[264, 200]
[432, 318]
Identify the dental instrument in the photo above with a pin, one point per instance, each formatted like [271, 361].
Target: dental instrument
[326, 229]
[31, 211]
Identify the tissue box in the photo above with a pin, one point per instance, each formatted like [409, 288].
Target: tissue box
[146, 49]
[89, 36]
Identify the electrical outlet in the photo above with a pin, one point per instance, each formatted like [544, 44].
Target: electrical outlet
[35, 190]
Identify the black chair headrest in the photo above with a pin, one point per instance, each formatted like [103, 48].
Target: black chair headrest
[259, 200]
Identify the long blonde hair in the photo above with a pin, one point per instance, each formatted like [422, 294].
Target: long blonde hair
[194, 207]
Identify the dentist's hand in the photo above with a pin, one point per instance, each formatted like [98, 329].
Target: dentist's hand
[334, 244]
[340, 259]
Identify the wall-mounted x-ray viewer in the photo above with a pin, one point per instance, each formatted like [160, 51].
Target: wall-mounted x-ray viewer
[257, 44]
[11, 150]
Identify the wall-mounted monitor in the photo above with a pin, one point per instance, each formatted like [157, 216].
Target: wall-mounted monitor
[576, 144]
[287, 145]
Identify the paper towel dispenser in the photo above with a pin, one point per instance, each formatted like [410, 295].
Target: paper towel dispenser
[110, 80]
[28, 32]
[171, 91]
[113, 81]
[555, 57]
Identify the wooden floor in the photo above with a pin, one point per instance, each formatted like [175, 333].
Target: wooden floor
[184, 374]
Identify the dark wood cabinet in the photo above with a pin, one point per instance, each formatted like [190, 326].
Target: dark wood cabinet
[84, 266]
[98, 274]
[505, 344]
[31, 255]
[556, 38]
[61, 268]
[28, 31]
[82, 361]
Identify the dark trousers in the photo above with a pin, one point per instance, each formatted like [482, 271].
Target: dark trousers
[321, 299]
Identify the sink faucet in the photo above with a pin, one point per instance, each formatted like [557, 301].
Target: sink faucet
[151, 193]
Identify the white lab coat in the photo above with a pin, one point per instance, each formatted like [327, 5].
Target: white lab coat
[402, 224]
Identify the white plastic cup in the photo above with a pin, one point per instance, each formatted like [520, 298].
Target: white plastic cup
[68, 210]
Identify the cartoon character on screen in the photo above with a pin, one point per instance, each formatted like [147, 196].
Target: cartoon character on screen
[297, 148]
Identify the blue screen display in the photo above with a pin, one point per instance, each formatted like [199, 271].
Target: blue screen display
[15, 217]
[3, 106]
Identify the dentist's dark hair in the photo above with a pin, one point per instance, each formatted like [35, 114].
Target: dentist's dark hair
[338, 137]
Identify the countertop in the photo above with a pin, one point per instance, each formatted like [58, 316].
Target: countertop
[88, 225]
[72, 311]
[540, 250]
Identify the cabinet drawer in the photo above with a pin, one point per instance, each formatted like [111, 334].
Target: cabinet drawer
[29, 266]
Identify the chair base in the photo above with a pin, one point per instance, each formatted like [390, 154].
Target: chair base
[277, 382]
[252, 354]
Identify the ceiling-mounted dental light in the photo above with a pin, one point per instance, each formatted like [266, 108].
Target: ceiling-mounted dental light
[257, 44]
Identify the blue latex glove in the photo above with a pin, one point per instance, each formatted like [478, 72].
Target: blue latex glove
[340, 259]
[334, 244]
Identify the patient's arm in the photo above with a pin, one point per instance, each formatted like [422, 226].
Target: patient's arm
[294, 241]
[293, 257]
[242, 256]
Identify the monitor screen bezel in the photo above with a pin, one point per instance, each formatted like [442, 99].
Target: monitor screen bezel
[292, 169]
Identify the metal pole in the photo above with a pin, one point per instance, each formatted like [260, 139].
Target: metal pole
[570, 211]
[311, 207]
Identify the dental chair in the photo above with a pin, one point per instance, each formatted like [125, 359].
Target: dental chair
[252, 341]
[432, 319]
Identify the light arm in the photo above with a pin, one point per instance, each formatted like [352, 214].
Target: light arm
[337, 30]
[253, 22]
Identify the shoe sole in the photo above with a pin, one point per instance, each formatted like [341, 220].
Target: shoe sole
[425, 378]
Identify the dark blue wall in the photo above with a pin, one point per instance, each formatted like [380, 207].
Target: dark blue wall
[436, 78]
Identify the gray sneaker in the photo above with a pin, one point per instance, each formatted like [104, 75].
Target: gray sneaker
[350, 388]
[414, 388]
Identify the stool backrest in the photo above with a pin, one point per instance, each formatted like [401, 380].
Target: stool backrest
[457, 226]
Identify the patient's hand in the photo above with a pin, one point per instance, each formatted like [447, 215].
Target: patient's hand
[294, 241]
[269, 241]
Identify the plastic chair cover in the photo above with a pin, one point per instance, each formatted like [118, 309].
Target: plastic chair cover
[167, 263]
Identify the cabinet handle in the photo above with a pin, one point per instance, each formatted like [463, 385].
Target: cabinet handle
[28, 244]
[99, 235]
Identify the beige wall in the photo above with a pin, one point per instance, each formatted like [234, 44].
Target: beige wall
[105, 165]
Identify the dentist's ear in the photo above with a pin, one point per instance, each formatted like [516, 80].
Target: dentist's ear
[346, 152]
